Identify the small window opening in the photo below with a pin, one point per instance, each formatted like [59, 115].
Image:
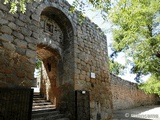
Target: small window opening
[49, 67]
[49, 27]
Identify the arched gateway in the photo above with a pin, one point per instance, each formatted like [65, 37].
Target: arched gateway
[74, 57]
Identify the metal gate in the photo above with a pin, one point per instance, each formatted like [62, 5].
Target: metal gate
[82, 105]
[15, 103]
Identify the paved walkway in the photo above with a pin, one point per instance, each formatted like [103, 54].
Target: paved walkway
[138, 113]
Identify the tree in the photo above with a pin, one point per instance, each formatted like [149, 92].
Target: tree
[116, 68]
[18, 3]
[151, 86]
[136, 34]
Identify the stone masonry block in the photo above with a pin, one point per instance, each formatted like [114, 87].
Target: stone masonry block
[31, 40]
[26, 31]
[5, 29]
[6, 70]
[34, 28]
[18, 35]
[32, 46]
[1, 14]
[9, 46]
[3, 7]
[10, 17]
[6, 37]
[35, 17]
[35, 35]
[20, 43]
[30, 53]
[21, 51]
[19, 23]
[13, 26]
[24, 18]
[32, 60]
[20, 74]
[3, 21]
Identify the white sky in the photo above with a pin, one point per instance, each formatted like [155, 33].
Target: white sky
[97, 19]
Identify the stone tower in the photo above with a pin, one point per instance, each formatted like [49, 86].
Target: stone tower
[74, 55]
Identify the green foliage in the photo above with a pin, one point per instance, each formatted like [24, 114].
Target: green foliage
[38, 63]
[15, 4]
[102, 5]
[116, 68]
[152, 86]
[136, 34]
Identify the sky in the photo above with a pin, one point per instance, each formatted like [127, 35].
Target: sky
[97, 19]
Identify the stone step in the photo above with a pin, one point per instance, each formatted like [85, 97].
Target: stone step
[43, 106]
[44, 114]
[50, 115]
[42, 110]
[63, 119]
[41, 103]
[45, 110]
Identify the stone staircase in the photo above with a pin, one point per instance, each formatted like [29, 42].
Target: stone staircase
[44, 110]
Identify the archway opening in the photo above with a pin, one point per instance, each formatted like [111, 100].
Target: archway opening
[47, 72]
[56, 50]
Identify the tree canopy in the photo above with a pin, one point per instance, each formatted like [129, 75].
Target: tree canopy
[17, 4]
[136, 34]
[151, 86]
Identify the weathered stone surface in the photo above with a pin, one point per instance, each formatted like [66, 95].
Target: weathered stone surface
[30, 53]
[20, 43]
[32, 46]
[31, 40]
[6, 70]
[6, 37]
[19, 23]
[35, 17]
[3, 21]
[20, 50]
[18, 35]
[32, 60]
[13, 26]
[26, 31]
[24, 18]
[127, 95]
[20, 74]
[35, 35]
[9, 46]
[1, 14]
[6, 29]
[10, 17]
[34, 28]
[69, 55]
[3, 7]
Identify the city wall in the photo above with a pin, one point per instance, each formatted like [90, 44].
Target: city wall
[126, 94]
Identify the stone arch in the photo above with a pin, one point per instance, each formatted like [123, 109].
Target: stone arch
[56, 39]
[60, 17]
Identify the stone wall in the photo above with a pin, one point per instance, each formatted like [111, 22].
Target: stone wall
[77, 54]
[126, 94]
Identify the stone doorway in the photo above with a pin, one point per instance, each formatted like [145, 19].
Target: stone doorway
[47, 74]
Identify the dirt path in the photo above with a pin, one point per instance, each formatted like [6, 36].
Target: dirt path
[138, 113]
